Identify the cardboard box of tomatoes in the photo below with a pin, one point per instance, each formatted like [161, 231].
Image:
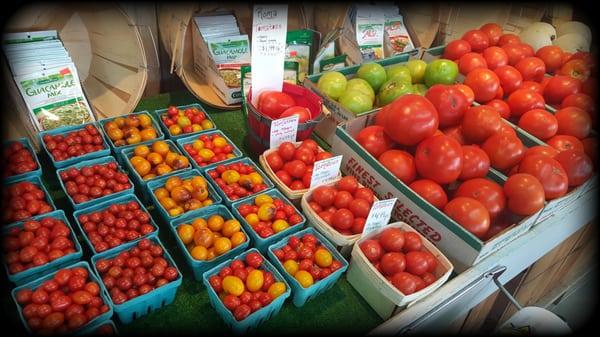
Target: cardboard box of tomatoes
[465, 248]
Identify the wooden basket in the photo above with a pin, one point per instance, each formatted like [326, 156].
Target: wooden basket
[106, 47]
[293, 195]
[342, 242]
[175, 25]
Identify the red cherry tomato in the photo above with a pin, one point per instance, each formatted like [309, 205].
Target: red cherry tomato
[405, 282]
[343, 219]
[324, 196]
[392, 239]
[392, 263]
[412, 242]
[469, 213]
[439, 158]
[416, 263]
[275, 161]
[372, 250]
[430, 191]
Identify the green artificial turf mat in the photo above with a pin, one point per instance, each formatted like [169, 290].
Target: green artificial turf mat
[340, 309]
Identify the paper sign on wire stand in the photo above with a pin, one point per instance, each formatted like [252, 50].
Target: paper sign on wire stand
[325, 171]
[379, 215]
[269, 29]
[283, 130]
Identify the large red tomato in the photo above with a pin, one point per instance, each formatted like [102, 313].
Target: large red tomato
[430, 191]
[515, 52]
[449, 102]
[578, 69]
[467, 91]
[477, 39]
[456, 133]
[274, 103]
[523, 100]
[531, 68]
[476, 162]
[552, 57]
[508, 38]
[524, 194]
[581, 101]
[533, 86]
[549, 172]
[455, 49]
[577, 165]
[302, 112]
[504, 150]
[409, 119]
[574, 122]
[469, 213]
[374, 140]
[590, 87]
[400, 163]
[541, 149]
[485, 84]
[480, 122]
[392, 239]
[559, 87]
[527, 49]
[470, 61]
[510, 78]
[493, 31]
[495, 57]
[540, 123]
[486, 191]
[565, 142]
[500, 106]
[439, 158]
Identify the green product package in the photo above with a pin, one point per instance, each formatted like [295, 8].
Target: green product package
[332, 63]
[298, 49]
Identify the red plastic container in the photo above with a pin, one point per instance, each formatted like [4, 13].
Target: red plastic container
[259, 125]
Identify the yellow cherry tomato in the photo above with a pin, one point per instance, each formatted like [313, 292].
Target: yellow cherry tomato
[304, 278]
[219, 141]
[206, 154]
[280, 225]
[230, 176]
[230, 227]
[177, 211]
[215, 223]
[175, 129]
[255, 280]
[266, 212]
[206, 124]
[233, 285]
[186, 233]
[230, 155]
[196, 127]
[198, 145]
[199, 224]
[255, 178]
[263, 199]
[199, 253]
[276, 289]
[323, 258]
[252, 219]
[291, 267]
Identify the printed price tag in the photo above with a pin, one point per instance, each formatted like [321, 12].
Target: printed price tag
[284, 130]
[325, 171]
[269, 28]
[380, 214]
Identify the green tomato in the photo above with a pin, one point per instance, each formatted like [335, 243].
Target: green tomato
[440, 71]
[417, 70]
[399, 71]
[373, 73]
[333, 84]
[393, 89]
[361, 85]
[356, 101]
[420, 89]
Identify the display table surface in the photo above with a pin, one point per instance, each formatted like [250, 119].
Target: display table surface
[340, 309]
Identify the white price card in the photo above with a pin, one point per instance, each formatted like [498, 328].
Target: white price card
[284, 130]
[269, 30]
[380, 214]
[325, 171]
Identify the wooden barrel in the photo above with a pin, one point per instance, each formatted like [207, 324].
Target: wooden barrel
[105, 45]
[175, 29]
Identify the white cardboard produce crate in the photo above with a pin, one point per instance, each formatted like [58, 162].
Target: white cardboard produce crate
[462, 247]
[381, 295]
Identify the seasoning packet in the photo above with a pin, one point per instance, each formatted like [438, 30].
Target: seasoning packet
[332, 63]
[229, 54]
[369, 21]
[298, 46]
[396, 37]
[54, 97]
[26, 37]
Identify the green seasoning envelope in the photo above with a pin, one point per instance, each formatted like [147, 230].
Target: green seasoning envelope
[54, 97]
[298, 45]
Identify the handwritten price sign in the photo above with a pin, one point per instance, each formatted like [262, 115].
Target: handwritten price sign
[284, 130]
[379, 216]
[325, 171]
